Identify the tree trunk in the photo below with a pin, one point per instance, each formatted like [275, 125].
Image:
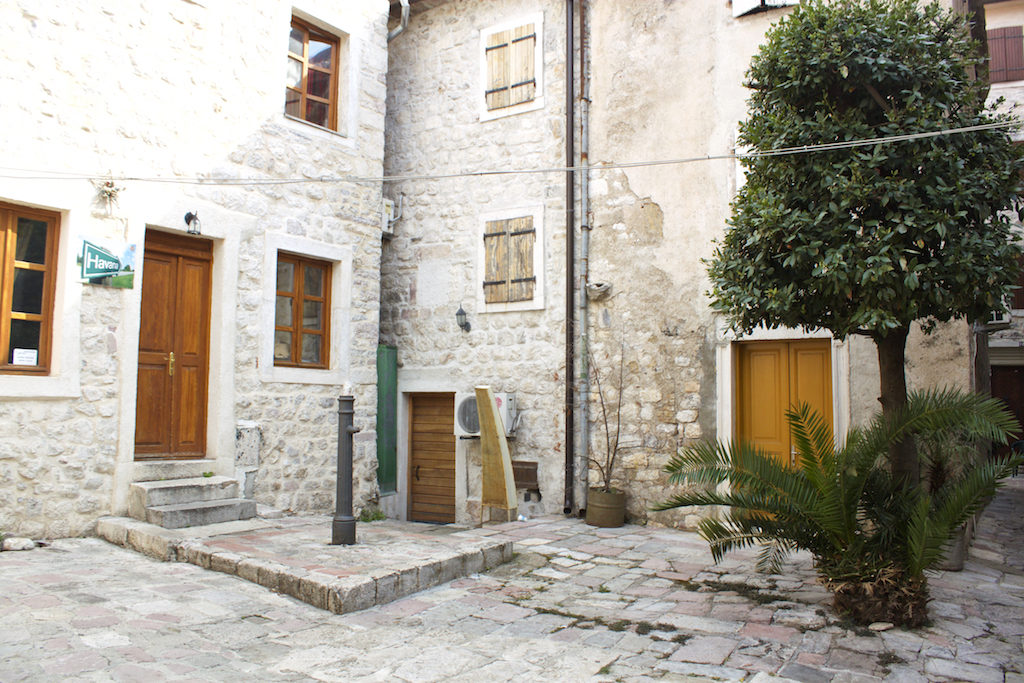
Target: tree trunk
[974, 12]
[893, 385]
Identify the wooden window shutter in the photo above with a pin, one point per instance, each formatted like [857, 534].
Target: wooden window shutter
[496, 262]
[522, 238]
[511, 76]
[498, 55]
[1006, 54]
[523, 81]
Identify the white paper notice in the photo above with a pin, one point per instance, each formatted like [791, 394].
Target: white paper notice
[25, 357]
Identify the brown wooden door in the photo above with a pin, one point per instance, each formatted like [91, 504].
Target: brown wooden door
[174, 336]
[1008, 385]
[432, 458]
[771, 377]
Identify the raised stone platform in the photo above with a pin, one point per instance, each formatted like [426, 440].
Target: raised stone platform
[292, 555]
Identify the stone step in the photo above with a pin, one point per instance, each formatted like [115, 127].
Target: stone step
[200, 513]
[147, 494]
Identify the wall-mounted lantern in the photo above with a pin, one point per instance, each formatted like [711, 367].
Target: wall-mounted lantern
[460, 318]
[192, 223]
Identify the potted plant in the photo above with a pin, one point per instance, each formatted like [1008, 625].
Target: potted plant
[606, 505]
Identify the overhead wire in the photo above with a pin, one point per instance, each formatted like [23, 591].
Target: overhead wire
[13, 173]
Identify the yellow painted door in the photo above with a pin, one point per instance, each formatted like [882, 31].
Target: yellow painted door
[771, 377]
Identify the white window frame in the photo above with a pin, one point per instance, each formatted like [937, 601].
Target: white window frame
[537, 302]
[537, 102]
[338, 354]
[63, 380]
[743, 7]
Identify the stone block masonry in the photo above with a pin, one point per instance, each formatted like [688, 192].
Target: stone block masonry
[193, 94]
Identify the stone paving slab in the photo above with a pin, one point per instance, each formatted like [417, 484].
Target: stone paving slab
[86, 610]
[293, 555]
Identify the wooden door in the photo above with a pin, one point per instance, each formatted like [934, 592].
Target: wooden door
[1008, 385]
[771, 377]
[174, 336]
[432, 458]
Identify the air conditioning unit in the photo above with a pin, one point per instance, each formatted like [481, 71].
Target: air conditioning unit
[467, 419]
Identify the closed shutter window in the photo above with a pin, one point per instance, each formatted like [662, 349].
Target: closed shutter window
[511, 77]
[1006, 54]
[508, 260]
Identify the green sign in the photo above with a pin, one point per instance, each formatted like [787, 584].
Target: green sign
[98, 262]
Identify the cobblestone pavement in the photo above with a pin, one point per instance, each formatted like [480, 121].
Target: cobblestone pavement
[576, 604]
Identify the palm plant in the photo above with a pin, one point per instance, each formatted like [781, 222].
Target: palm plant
[871, 536]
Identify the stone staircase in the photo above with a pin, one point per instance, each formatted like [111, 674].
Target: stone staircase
[196, 501]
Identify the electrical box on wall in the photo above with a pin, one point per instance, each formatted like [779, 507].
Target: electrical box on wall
[467, 418]
[387, 219]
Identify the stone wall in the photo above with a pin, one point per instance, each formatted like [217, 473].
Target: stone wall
[188, 92]
[430, 267]
[653, 226]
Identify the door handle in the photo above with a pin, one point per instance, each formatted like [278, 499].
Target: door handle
[170, 367]
[416, 473]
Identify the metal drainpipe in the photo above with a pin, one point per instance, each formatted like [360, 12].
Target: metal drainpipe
[584, 400]
[570, 267]
[403, 22]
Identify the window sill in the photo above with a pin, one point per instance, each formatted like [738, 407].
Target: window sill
[304, 127]
[533, 305]
[291, 375]
[39, 386]
[493, 114]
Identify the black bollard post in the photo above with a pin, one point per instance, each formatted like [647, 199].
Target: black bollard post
[343, 529]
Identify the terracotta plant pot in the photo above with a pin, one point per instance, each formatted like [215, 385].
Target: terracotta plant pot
[606, 508]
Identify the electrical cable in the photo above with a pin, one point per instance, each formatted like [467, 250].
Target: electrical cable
[597, 166]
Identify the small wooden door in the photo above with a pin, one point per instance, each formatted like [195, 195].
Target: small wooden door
[432, 458]
[1008, 385]
[174, 340]
[771, 377]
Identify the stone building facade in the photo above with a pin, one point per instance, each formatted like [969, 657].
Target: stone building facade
[124, 119]
[121, 119]
[1005, 23]
[439, 124]
[663, 81]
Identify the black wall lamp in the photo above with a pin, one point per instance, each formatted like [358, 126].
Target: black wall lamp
[460, 318]
[192, 221]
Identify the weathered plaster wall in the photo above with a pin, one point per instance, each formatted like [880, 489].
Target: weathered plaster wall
[430, 268]
[182, 91]
[655, 99]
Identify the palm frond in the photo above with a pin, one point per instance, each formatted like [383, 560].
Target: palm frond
[958, 503]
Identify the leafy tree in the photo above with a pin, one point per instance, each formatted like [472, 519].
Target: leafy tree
[872, 538]
[870, 239]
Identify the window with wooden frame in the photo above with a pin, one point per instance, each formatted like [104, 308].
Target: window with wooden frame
[302, 312]
[28, 248]
[509, 260]
[1006, 54]
[311, 91]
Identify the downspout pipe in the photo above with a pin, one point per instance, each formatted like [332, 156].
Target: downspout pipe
[402, 23]
[584, 265]
[570, 265]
